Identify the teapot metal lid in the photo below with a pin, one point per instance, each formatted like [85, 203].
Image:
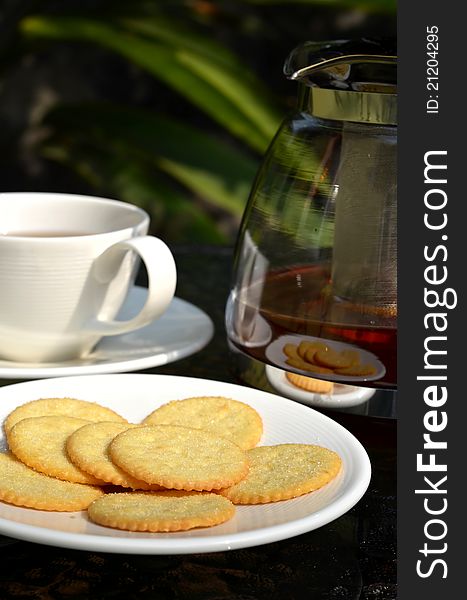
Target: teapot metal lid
[346, 80]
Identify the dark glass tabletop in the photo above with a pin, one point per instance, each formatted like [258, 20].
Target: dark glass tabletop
[353, 557]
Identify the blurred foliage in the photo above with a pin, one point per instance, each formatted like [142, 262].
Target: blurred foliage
[188, 155]
[385, 6]
[203, 71]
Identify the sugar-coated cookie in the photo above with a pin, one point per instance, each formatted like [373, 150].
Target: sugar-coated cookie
[161, 511]
[179, 457]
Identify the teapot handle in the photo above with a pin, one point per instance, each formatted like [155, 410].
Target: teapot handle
[335, 61]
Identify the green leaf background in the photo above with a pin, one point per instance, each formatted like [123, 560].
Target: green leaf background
[184, 174]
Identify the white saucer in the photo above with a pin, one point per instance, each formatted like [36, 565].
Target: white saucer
[344, 396]
[181, 331]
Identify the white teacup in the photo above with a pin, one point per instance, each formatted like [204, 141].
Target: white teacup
[66, 265]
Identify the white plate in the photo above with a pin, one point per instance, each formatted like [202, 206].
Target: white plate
[181, 331]
[134, 396]
[275, 355]
[344, 395]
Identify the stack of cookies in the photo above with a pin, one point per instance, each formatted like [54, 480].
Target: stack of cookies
[320, 358]
[186, 465]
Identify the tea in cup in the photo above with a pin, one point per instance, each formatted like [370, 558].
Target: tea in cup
[67, 263]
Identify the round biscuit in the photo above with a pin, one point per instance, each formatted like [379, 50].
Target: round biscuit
[88, 449]
[40, 443]
[304, 365]
[307, 350]
[310, 384]
[170, 510]
[224, 417]
[291, 350]
[22, 486]
[283, 472]
[71, 407]
[357, 370]
[179, 457]
[332, 359]
[352, 355]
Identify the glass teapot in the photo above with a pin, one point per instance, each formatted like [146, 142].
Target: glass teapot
[314, 287]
